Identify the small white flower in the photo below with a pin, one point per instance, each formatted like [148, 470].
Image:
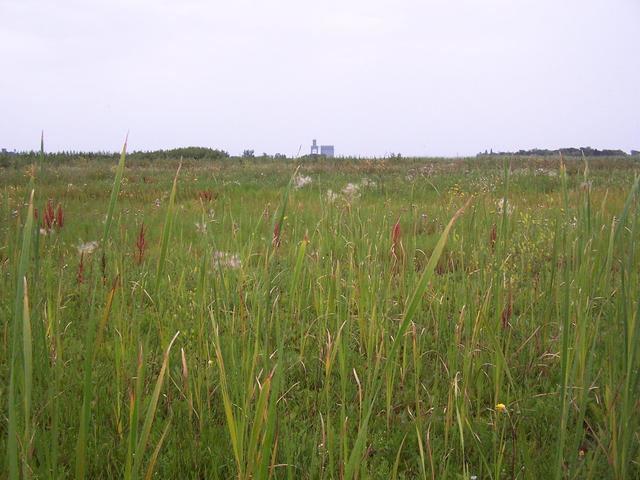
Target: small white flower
[88, 247]
[351, 191]
[301, 180]
[331, 196]
[367, 183]
[500, 207]
[227, 260]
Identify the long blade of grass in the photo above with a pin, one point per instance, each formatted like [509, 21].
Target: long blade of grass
[260, 416]
[416, 298]
[115, 190]
[413, 305]
[94, 336]
[228, 405]
[278, 218]
[27, 353]
[156, 452]
[151, 411]
[23, 263]
[166, 232]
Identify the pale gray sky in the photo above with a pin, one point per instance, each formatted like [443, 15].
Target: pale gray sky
[431, 77]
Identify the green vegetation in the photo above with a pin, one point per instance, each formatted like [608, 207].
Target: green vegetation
[253, 318]
[567, 151]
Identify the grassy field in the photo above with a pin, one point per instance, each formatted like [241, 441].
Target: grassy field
[351, 319]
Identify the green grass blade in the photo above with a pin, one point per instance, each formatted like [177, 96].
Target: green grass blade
[27, 352]
[278, 218]
[117, 182]
[416, 298]
[156, 452]
[23, 263]
[151, 411]
[166, 232]
[228, 405]
[412, 307]
[94, 336]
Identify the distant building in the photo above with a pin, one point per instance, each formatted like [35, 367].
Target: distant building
[326, 150]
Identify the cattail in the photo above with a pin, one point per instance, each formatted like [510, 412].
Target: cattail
[59, 217]
[80, 276]
[141, 244]
[48, 217]
[50, 214]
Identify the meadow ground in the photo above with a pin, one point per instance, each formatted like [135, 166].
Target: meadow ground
[359, 319]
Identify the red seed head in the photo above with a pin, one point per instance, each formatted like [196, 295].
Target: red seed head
[205, 195]
[59, 216]
[276, 235]
[396, 243]
[48, 218]
[493, 236]
[395, 232]
[80, 276]
[507, 312]
[141, 244]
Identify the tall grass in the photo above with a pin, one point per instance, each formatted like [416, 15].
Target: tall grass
[20, 318]
[434, 319]
[94, 331]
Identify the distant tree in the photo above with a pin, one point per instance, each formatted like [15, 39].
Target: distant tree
[248, 154]
[567, 152]
[195, 153]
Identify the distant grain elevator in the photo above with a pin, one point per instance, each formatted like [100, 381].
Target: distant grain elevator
[325, 150]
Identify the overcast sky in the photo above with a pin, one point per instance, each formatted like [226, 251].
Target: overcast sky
[431, 77]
